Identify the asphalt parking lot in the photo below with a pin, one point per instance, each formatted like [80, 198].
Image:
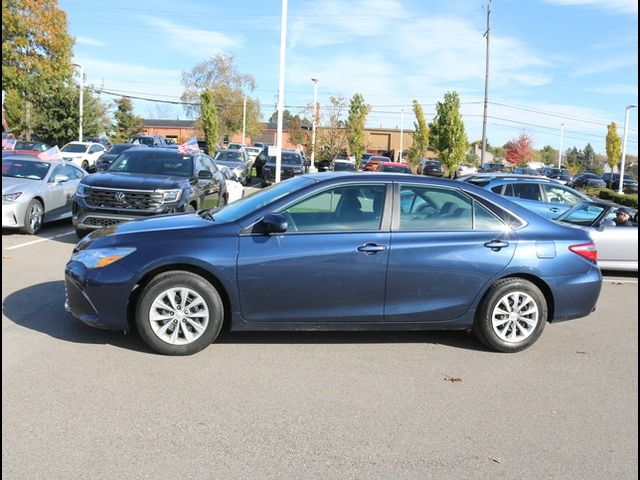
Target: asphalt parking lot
[84, 403]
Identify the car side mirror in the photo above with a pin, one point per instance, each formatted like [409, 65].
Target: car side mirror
[204, 175]
[274, 223]
[60, 179]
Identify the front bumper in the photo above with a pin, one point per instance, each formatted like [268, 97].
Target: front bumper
[98, 297]
[13, 214]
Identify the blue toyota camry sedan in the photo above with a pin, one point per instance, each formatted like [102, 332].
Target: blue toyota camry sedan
[338, 251]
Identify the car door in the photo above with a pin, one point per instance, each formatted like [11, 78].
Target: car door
[59, 195]
[95, 151]
[214, 187]
[527, 194]
[329, 266]
[441, 258]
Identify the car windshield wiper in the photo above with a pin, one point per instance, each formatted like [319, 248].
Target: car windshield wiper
[208, 213]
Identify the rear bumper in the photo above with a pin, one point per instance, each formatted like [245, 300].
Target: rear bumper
[576, 295]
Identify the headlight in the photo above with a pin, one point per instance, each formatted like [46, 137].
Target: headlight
[11, 197]
[171, 195]
[81, 191]
[101, 257]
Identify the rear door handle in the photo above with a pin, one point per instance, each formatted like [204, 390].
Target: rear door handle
[496, 245]
[554, 209]
[371, 248]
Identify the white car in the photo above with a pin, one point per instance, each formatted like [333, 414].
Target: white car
[465, 169]
[234, 187]
[83, 154]
[253, 152]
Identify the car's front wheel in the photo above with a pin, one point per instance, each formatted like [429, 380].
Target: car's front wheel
[179, 313]
[33, 217]
[85, 165]
[512, 316]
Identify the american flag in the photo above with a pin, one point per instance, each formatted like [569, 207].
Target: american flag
[189, 147]
[51, 155]
[9, 143]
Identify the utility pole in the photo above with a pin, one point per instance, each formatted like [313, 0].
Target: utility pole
[312, 166]
[244, 118]
[401, 132]
[624, 146]
[560, 151]
[486, 88]
[80, 113]
[283, 51]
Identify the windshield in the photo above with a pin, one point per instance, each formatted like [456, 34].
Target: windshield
[288, 159]
[165, 162]
[74, 148]
[24, 169]
[585, 214]
[119, 149]
[246, 205]
[29, 146]
[394, 168]
[227, 156]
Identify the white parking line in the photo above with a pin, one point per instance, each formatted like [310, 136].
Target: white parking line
[613, 280]
[40, 240]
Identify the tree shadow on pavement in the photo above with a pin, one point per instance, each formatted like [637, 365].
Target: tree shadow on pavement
[41, 308]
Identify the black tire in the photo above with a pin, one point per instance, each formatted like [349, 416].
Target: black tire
[494, 337]
[179, 279]
[85, 165]
[33, 217]
[82, 232]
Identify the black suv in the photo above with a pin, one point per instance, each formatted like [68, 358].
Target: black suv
[149, 140]
[147, 181]
[291, 164]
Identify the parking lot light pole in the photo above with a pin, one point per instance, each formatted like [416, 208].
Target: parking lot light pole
[283, 51]
[401, 133]
[624, 145]
[81, 100]
[312, 166]
[560, 151]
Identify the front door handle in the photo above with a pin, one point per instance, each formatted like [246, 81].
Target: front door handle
[496, 245]
[554, 209]
[371, 248]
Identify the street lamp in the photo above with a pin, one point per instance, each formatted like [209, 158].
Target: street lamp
[81, 100]
[560, 151]
[283, 51]
[624, 145]
[312, 167]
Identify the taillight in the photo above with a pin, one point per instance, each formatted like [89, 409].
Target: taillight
[585, 250]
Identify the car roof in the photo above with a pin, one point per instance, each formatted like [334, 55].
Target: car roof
[509, 176]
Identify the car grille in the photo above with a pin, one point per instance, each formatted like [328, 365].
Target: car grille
[122, 199]
[102, 221]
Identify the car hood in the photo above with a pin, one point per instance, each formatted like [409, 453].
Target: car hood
[73, 154]
[151, 225]
[108, 157]
[13, 184]
[133, 181]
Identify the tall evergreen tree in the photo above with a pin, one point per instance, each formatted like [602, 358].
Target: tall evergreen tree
[356, 121]
[447, 132]
[209, 120]
[420, 136]
[126, 123]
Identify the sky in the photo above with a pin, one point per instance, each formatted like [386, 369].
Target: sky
[559, 70]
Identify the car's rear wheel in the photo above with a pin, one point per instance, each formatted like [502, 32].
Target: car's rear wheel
[33, 217]
[179, 313]
[85, 165]
[512, 316]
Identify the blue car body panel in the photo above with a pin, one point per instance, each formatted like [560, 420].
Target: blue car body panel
[319, 280]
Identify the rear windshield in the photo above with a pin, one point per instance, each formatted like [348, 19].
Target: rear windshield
[166, 162]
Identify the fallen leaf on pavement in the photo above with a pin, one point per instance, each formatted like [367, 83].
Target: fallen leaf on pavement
[495, 460]
[451, 379]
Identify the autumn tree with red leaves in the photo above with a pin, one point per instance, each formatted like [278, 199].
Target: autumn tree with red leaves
[518, 151]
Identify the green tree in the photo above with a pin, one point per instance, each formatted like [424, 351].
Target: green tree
[209, 120]
[447, 132]
[614, 147]
[588, 158]
[300, 132]
[126, 123]
[549, 155]
[331, 136]
[358, 111]
[36, 54]
[56, 120]
[420, 136]
[572, 158]
[286, 118]
[228, 86]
